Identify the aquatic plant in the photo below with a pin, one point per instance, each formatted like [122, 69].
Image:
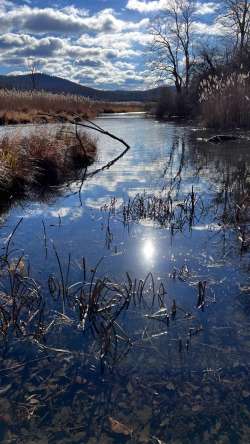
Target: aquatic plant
[92, 308]
[162, 209]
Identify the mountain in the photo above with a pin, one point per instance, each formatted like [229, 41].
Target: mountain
[58, 85]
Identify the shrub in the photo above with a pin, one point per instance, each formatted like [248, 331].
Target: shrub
[42, 159]
[173, 104]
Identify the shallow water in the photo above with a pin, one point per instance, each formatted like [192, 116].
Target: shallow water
[173, 384]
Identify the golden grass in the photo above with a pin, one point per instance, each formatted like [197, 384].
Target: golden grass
[40, 106]
[225, 101]
[34, 102]
[42, 159]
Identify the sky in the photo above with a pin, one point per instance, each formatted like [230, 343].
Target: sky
[98, 43]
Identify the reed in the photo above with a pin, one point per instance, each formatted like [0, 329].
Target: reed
[162, 209]
[21, 107]
[225, 101]
[92, 307]
[42, 158]
[21, 303]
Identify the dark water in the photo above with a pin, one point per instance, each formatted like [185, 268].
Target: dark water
[182, 380]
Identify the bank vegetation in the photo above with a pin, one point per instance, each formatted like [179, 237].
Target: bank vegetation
[21, 107]
[208, 75]
[42, 159]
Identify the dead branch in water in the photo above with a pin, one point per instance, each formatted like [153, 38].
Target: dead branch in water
[94, 127]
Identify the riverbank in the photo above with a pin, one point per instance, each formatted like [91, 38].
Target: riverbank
[41, 159]
[219, 102]
[22, 107]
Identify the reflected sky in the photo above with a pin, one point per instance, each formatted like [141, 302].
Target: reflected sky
[161, 155]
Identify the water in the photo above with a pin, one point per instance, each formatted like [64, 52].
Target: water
[180, 381]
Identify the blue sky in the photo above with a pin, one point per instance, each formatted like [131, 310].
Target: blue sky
[99, 43]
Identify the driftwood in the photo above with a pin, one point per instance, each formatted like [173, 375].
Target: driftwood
[223, 138]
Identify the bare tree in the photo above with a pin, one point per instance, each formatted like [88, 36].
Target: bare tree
[235, 16]
[172, 50]
[212, 57]
[33, 67]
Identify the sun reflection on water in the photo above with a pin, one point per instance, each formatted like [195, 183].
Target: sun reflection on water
[148, 250]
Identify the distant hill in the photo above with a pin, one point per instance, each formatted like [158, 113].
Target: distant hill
[58, 85]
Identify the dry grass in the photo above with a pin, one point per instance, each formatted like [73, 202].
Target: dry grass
[16, 106]
[225, 101]
[35, 106]
[119, 107]
[164, 210]
[42, 158]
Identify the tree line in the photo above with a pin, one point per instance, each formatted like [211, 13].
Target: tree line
[200, 68]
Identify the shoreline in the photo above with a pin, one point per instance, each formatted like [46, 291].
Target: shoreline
[20, 118]
[30, 165]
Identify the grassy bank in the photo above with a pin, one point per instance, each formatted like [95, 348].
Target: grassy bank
[20, 107]
[220, 102]
[42, 159]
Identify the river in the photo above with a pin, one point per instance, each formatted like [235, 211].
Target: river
[179, 369]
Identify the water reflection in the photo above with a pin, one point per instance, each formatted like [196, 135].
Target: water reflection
[148, 250]
[185, 377]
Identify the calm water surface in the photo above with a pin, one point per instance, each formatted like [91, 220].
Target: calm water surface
[181, 381]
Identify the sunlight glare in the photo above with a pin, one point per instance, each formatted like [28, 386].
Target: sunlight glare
[148, 249]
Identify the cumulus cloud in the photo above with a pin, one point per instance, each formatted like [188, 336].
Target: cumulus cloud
[101, 49]
[68, 20]
[96, 49]
[209, 29]
[206, 8]
[144, 6]
[10, 40]
[45, 47]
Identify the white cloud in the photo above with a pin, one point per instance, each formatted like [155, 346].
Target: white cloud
[68, 20]
[11, 40]
[213, 29]
[145, 7]
[206, 8]
[97, 49]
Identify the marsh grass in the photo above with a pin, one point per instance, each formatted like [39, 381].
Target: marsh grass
[162, 209]
[21, 305]
[56, 314]
[21, 107]
[25, 106]
[42, 158]
[225, 101]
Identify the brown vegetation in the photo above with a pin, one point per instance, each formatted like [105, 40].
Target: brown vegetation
[225, 101]
[41, 107]
[42, 159]
[119, 107]
[211, 72]
[27, 106]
